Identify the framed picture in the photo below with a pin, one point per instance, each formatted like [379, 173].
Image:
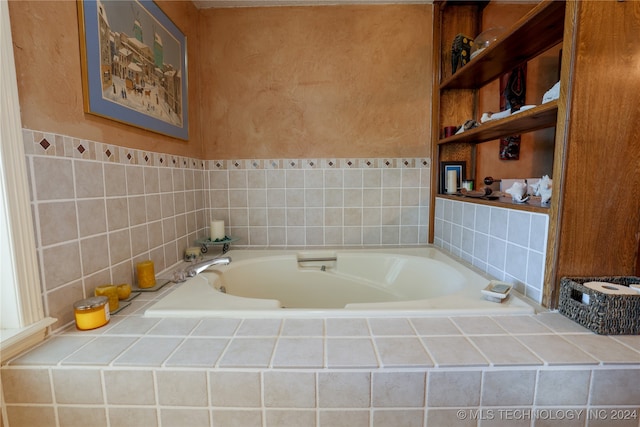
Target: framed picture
[134, 65]
[445, 167]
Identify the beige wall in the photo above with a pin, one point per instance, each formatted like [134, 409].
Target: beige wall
[47, 54]
[309, 82]
[282, 82]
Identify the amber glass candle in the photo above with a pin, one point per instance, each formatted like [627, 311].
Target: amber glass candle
[146, 275]
[111, 292]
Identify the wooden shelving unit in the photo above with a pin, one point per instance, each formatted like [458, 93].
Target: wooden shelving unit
[594, 218]
[541, 117]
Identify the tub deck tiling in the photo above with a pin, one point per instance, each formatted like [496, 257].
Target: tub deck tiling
[455, 370]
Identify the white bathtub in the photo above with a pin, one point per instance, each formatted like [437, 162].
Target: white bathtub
[419, 281]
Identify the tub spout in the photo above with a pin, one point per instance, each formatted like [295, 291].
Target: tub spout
[203, 265]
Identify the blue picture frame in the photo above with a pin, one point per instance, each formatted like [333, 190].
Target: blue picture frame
[134, 65]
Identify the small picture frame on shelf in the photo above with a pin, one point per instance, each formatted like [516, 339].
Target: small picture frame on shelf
[459, 167]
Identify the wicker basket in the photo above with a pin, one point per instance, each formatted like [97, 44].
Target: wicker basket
[605, 314]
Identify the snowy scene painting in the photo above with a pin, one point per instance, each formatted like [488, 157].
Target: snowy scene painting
[134, 65]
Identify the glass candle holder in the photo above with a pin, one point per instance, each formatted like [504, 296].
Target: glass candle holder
[111, 292]
[146, 274]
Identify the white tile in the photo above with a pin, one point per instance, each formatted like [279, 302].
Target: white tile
[615, 387]
[299, 353]
[554, 350]
[289, 389]
[398, 389]
[344, 390]
[123, 417]
[101, 351]
[235, 389]
[248, 352]
[236, 417]
[483, 218]
[393, 326]
[402, 352]
[178, 327]
[508, 388]
[518, 229]
[52, 350]
[516, 262]
[498, 223]
[290, 418]
[216, 328]
[351, 352]
[558, 387]
[148, 351]
[180, 388]
[453, 351]
[259, 327]
[174, 417]
[344, 418]
[129, 387]
[347, 327]
[77, 386]
[539, 232]
[404, 418]
[203, 352]
[504, 351]
[448, 389]
[26, 386]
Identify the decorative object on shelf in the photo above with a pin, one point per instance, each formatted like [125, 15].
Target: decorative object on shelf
[134, 65]
[467, 184]
[494, 116]
[489, 180]
[513, 90]
[457, 169]
[510, 148]
[449, 131]
[523, 108]
[469, 124]
[543, 189]
[485, 39]
[485, 193]
[518, 192]
[460, 51]
[551, 94]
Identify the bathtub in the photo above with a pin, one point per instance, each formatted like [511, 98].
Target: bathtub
[421, 281]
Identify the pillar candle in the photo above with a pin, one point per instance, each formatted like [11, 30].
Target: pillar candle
[111, 292]
[216, 232]
[452, 182]
[146, 274]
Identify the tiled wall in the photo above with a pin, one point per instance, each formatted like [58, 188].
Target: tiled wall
[99, 209]
[539, 370]
[330, 202]
[506, 243]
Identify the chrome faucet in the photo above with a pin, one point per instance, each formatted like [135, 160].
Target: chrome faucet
[198, 268]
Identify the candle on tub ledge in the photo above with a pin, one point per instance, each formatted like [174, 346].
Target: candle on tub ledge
[216, 232]
[111, 292]
[145, 274]
[452, 182]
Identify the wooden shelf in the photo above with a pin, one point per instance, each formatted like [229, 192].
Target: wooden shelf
[533, 205]
[539, 30]
[543, 116]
